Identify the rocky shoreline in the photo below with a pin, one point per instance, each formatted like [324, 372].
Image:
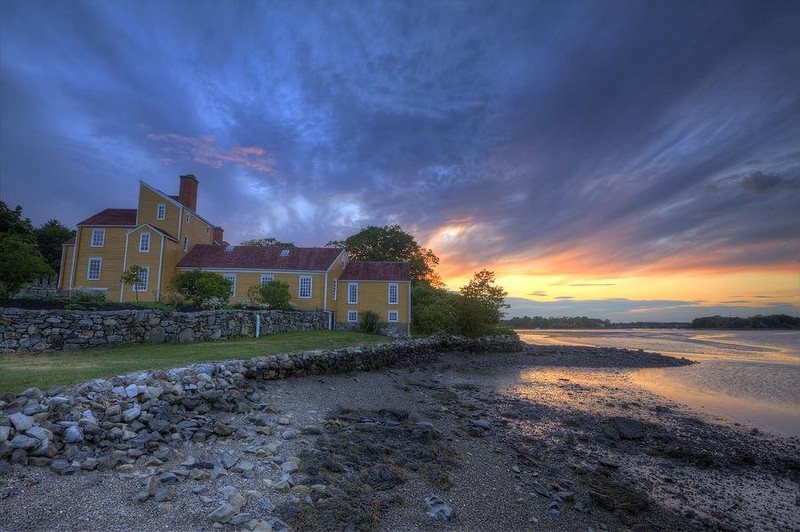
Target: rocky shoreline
[550, 437]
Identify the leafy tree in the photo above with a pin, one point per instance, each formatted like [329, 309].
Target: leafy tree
[267, 242]
[480, 308]
[12, 222]
[131, 276]
[275, 295]
[50, 237]
[391, 243]
[202, 289]
[20, 263]
[432, 308]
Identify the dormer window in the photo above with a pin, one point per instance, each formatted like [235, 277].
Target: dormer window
[161, 211]
[284, 253]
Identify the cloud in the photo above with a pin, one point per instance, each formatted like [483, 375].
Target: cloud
[203, 150]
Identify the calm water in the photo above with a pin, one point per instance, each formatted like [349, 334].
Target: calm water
[749, 377]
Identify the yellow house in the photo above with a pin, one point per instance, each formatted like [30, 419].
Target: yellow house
[318, 279]
[164, 234]
[156, 235]
[380, 287]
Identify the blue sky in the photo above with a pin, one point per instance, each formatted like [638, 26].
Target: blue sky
[566, 145]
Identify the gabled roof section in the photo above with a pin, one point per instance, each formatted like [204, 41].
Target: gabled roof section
[376, 271]
[154, 228]
[174, 200]
[112, 217]
[69, 242]
[259, 258]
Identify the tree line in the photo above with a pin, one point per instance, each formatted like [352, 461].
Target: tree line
[28, 253]
[773, 321]
[564, 322]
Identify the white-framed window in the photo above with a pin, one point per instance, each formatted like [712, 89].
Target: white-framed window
[284, 252]
[161, 211]
[394, 316]
[208, 229]
[142, 277]
[335, 288]
[232, 278]
[394, 292]
[186, 243]
[304, 290]
[267, 278]
[93, 272]
[352, 293]
[188, 217]
[144, 242]
[98, 238]
[352, 316]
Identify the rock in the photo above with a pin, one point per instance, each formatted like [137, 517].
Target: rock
[289, 434]
[132, 391]
[289, 467]
[628, 429]
[277, 525]
[62, 467]
[163, 494]
[20, 421]
[131, 413]
[222, 429]
[73, 434]
[482, 424]
[541, 490]
[240, 519]
[5, 468]
[237, 500]
[580, 507]
[40, 433]
[223, 513]
[228, 460]
[26, 443]
[168, 478]
[438, 509]
[608, 463]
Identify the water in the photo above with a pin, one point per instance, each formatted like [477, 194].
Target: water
[748, 377]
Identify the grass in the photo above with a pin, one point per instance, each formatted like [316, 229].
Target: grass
[44, 370]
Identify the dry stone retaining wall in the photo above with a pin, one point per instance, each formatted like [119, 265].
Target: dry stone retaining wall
[103, 424]
[42, 330]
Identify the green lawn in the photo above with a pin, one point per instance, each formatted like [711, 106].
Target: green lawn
[18, 372]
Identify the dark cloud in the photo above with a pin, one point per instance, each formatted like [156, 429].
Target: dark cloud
[629, 133]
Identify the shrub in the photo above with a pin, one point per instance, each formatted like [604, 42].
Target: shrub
[202, 289]
[275, 295]
[369, 323]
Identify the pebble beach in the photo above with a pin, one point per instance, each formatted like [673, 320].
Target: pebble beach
[547, 438]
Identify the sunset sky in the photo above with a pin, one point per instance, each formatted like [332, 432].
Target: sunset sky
[630, 160]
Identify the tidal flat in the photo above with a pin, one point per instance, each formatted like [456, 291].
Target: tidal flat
[549, 438]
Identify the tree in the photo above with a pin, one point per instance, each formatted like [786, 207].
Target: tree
[433, 309]
[275, 295]
[202, 289]
[391, 243]
[20, 263]
[480, 308]
[51, 237]
[267, 242]
[12, 222]
[131, 276]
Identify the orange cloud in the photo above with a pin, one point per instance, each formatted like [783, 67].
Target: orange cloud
[203, 149]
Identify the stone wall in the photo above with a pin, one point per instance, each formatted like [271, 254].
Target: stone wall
[42, 330]
[103, 424]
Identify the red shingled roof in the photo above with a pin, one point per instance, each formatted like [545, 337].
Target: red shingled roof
[376, 271]
[112, 217]
[259, 258]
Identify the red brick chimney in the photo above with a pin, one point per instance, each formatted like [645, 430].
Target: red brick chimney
[187, 194]
[218, 234]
